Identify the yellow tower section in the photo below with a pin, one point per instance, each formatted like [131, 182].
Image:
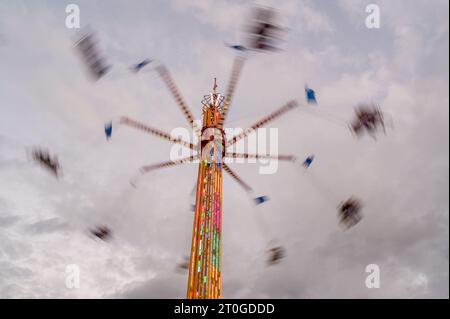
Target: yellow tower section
[205, 275]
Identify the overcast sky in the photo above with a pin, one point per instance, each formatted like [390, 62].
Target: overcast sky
[402, 178]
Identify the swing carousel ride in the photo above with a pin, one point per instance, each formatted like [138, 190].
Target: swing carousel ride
[204, 264]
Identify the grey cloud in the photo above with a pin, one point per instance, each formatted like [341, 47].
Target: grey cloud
[47, 226]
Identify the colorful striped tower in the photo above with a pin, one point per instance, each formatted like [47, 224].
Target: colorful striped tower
[205, 271]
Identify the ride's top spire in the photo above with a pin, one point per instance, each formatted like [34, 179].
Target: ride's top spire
[215, 85]
[214, 95]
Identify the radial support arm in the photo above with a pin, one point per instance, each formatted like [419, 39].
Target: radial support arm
[237, 178]
[238, 64]
[290, 158]
[148, 168]
[165, 75]
[288, 106]
[153, 131]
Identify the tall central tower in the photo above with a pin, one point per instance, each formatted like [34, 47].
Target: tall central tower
[205, 270]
